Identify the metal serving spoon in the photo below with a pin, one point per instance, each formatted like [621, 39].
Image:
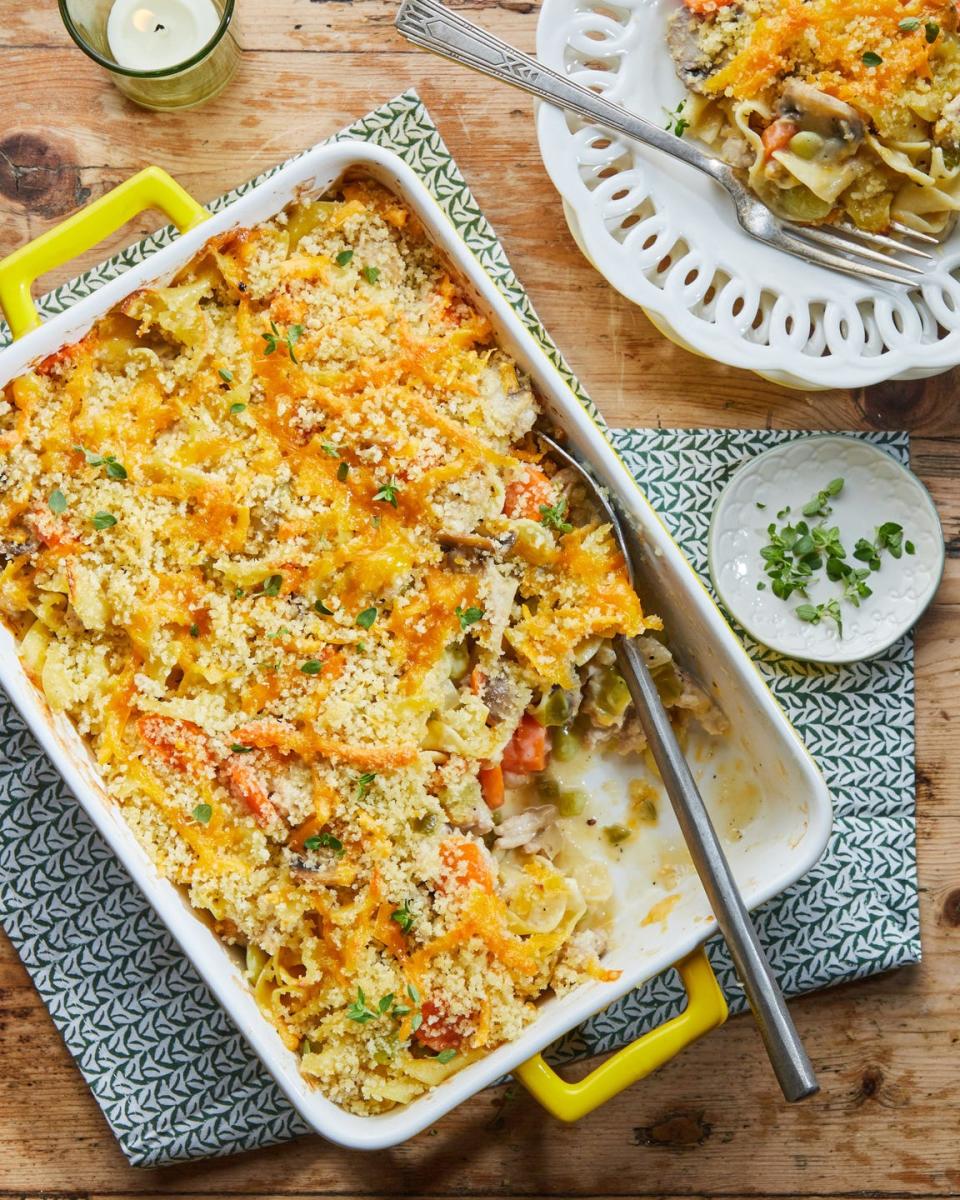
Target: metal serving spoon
[793, 1068]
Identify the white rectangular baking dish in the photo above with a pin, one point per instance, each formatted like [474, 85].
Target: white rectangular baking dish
[780, 833]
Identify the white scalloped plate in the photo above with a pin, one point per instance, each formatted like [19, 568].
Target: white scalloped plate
[876, 489]
[666, 236]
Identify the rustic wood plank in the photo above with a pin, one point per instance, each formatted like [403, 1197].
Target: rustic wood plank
[709, 1124]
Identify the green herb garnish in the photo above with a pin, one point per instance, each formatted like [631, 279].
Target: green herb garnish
[676, 122]
[932, 31]
[790, 558]
[870, 58]
[358, 1010]
[239, 748]
[909, 24]
[404, 917]
[273, 585]
[366, 618]
[469, 616]
[889, 537]
[330, 449]
[320, 607]
[225, 375]
[388, 493]
[819, 506]
[312, 666]
[343, 257]
[552, 516]
[203, 813]
[109, 462]
[364, 783]
[238, 407]
[103, 520]
[370, 274]
[446, 1056]
[813, 614]
[194, 630]
[342, 472]
[57, 501]
[290, 339]
[324, 841]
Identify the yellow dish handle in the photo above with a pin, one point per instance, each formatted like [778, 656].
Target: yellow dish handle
[151, 188]
[706, 1009]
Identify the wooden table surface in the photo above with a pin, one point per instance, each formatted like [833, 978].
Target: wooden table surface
[886, 1122]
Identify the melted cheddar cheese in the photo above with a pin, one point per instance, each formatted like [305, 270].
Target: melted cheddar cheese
[254, 543]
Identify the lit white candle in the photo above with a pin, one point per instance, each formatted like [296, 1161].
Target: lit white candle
[150, 35]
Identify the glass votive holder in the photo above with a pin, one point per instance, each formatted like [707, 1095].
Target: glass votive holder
[163, 54]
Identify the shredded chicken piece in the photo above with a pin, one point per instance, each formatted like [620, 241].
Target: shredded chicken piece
[523, 828]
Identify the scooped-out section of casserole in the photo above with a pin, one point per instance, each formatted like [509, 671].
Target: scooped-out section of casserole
[279, 538]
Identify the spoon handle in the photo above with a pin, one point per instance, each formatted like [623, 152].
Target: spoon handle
[793, 1068]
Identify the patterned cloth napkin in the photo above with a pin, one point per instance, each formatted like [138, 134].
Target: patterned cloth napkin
[174, 1078]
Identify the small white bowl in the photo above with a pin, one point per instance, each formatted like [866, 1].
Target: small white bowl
[876, 489]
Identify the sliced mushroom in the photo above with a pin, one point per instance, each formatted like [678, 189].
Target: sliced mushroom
[466, 551]
[691, 60]
[10, 550]
[499, 695]
[303, 873]
[837, 124]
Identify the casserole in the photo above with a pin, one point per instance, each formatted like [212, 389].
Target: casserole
[775, 846]
[667, 238]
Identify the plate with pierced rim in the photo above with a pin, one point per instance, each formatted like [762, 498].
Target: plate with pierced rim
[772, 489]
[666, 236]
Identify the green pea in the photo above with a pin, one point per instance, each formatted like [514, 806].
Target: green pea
[565, 744]
[613, 695]
[547, 788]
[557, 709]
[572, 803]
[805, 144]
[615, 834]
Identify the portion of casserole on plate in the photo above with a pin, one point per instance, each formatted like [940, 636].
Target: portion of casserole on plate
[835, 108]
[280, 541]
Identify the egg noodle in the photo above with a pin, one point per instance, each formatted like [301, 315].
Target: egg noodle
[277, 537]
[834, 108]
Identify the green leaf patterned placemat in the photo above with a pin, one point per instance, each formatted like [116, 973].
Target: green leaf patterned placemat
[174, 1078]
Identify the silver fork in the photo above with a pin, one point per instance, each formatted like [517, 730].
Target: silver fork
[790, 1063]
[843, 248]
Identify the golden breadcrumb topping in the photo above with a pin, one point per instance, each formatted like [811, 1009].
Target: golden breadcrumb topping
[276, 537]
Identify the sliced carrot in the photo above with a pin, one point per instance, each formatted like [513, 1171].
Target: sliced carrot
[242, 781]
[525, 495]
[777, 135]
[527, 749]
[491, 785]
[50, 529]
[465, 866]
[439, 1030]
[180, 744]
[477, 679]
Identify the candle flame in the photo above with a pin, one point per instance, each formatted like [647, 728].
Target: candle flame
[143, 18]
